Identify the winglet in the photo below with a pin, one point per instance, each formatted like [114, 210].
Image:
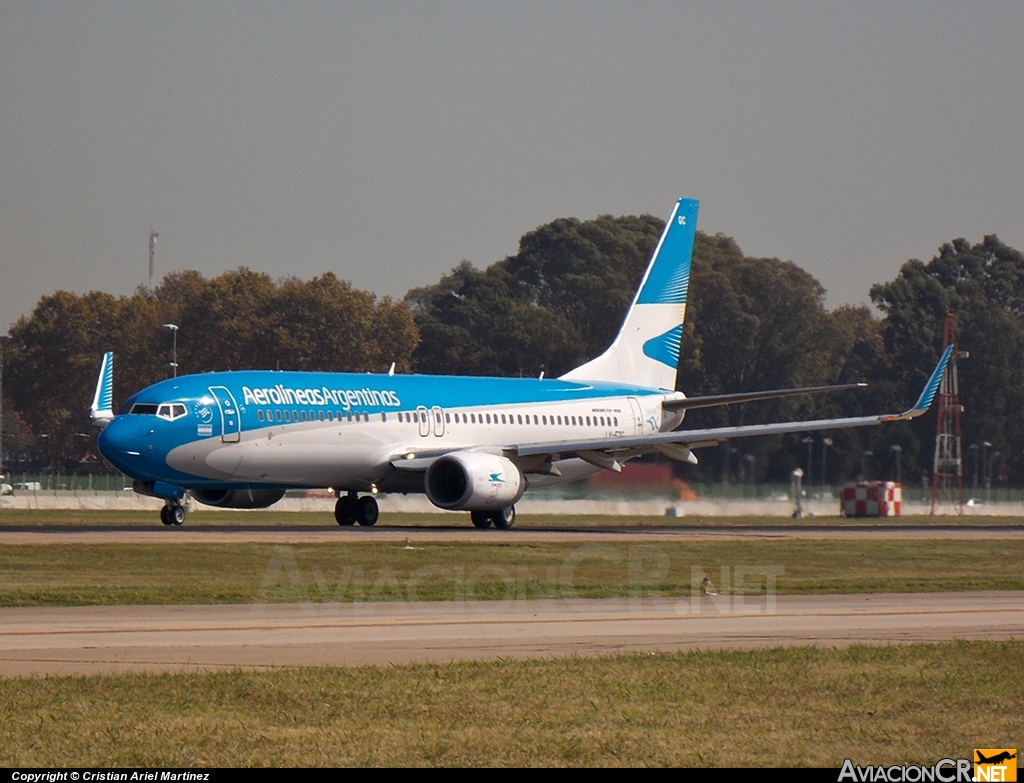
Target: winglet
[103, 400]
[931, 388]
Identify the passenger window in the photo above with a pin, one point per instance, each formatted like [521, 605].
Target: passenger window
[383, 417]
[277, 415]
[448, 418]
[588, 421]
[503, 418]
[259, 415]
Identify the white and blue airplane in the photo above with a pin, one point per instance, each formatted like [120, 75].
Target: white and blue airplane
[241, 439]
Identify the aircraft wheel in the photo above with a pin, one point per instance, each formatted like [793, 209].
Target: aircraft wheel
[367, 511]
[504, 518]
[172, 515]
[481, 519]
[343, 511]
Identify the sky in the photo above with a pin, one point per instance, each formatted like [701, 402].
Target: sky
[387, 141]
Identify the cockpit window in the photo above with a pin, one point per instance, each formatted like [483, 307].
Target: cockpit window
[170, 412]
[166, 411]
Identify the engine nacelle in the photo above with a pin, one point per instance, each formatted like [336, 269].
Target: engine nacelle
[473, 481]
[238, 498]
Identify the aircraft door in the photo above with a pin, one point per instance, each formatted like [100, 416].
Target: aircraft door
[230, 420]
[438, 415]
[423, 415]
[638, 416]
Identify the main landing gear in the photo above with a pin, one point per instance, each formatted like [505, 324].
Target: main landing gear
[502, 519]
[351, 509]
[172, 514]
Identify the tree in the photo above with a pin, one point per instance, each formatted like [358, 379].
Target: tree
[983, 285]
[238, 320]
[472, 323]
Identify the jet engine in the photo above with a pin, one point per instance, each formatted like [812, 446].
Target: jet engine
[473, 481]
[238, 498]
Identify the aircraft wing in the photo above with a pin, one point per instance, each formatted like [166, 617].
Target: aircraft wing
[603, 452]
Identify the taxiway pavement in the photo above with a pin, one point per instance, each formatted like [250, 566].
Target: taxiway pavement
[87, 640]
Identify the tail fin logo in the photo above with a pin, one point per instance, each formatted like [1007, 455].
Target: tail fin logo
[665, 347]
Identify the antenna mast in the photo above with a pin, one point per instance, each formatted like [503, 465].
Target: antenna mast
[152, 252]
[947, 469]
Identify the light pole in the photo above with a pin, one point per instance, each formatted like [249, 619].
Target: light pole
[984, 458]
[174, 331]
[798, 493]
[864, 464]
[825, 443]
[988, 476]
[974, 447]
[809, 440]
[898, 449]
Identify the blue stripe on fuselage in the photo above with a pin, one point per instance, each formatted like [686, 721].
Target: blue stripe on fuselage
[373, 393]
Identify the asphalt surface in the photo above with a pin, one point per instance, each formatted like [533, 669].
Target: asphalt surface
[557, 532]
[38, 641]
[87, 640]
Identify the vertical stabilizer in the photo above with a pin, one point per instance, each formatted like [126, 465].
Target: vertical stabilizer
[646, 350]
[101, 410]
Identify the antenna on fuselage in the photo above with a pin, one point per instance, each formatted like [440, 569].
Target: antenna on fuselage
[392, 370]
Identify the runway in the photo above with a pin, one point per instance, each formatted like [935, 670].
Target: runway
[87, 640]
[528, 533]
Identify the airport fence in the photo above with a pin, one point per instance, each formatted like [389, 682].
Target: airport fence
[86, 484]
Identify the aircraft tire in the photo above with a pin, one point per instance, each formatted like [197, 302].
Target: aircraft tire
[367, 511]
[165, 516]
[176, 514]
[504, 518]
[343, 511]
[481, 519]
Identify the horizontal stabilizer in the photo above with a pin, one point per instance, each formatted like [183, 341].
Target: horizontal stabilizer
[691, 403]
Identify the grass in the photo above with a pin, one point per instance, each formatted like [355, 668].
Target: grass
[351, 570]
[781, 707]
[30, 518]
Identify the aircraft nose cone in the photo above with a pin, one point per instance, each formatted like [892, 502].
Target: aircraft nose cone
[121, 444]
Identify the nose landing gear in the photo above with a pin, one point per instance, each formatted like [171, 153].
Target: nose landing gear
[352, 509]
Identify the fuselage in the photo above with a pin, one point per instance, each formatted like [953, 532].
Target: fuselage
[260, 429]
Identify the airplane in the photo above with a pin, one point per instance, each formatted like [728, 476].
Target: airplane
[242, 439]
[996, 759]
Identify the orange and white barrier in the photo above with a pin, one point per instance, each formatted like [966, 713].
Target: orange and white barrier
[872, 499]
